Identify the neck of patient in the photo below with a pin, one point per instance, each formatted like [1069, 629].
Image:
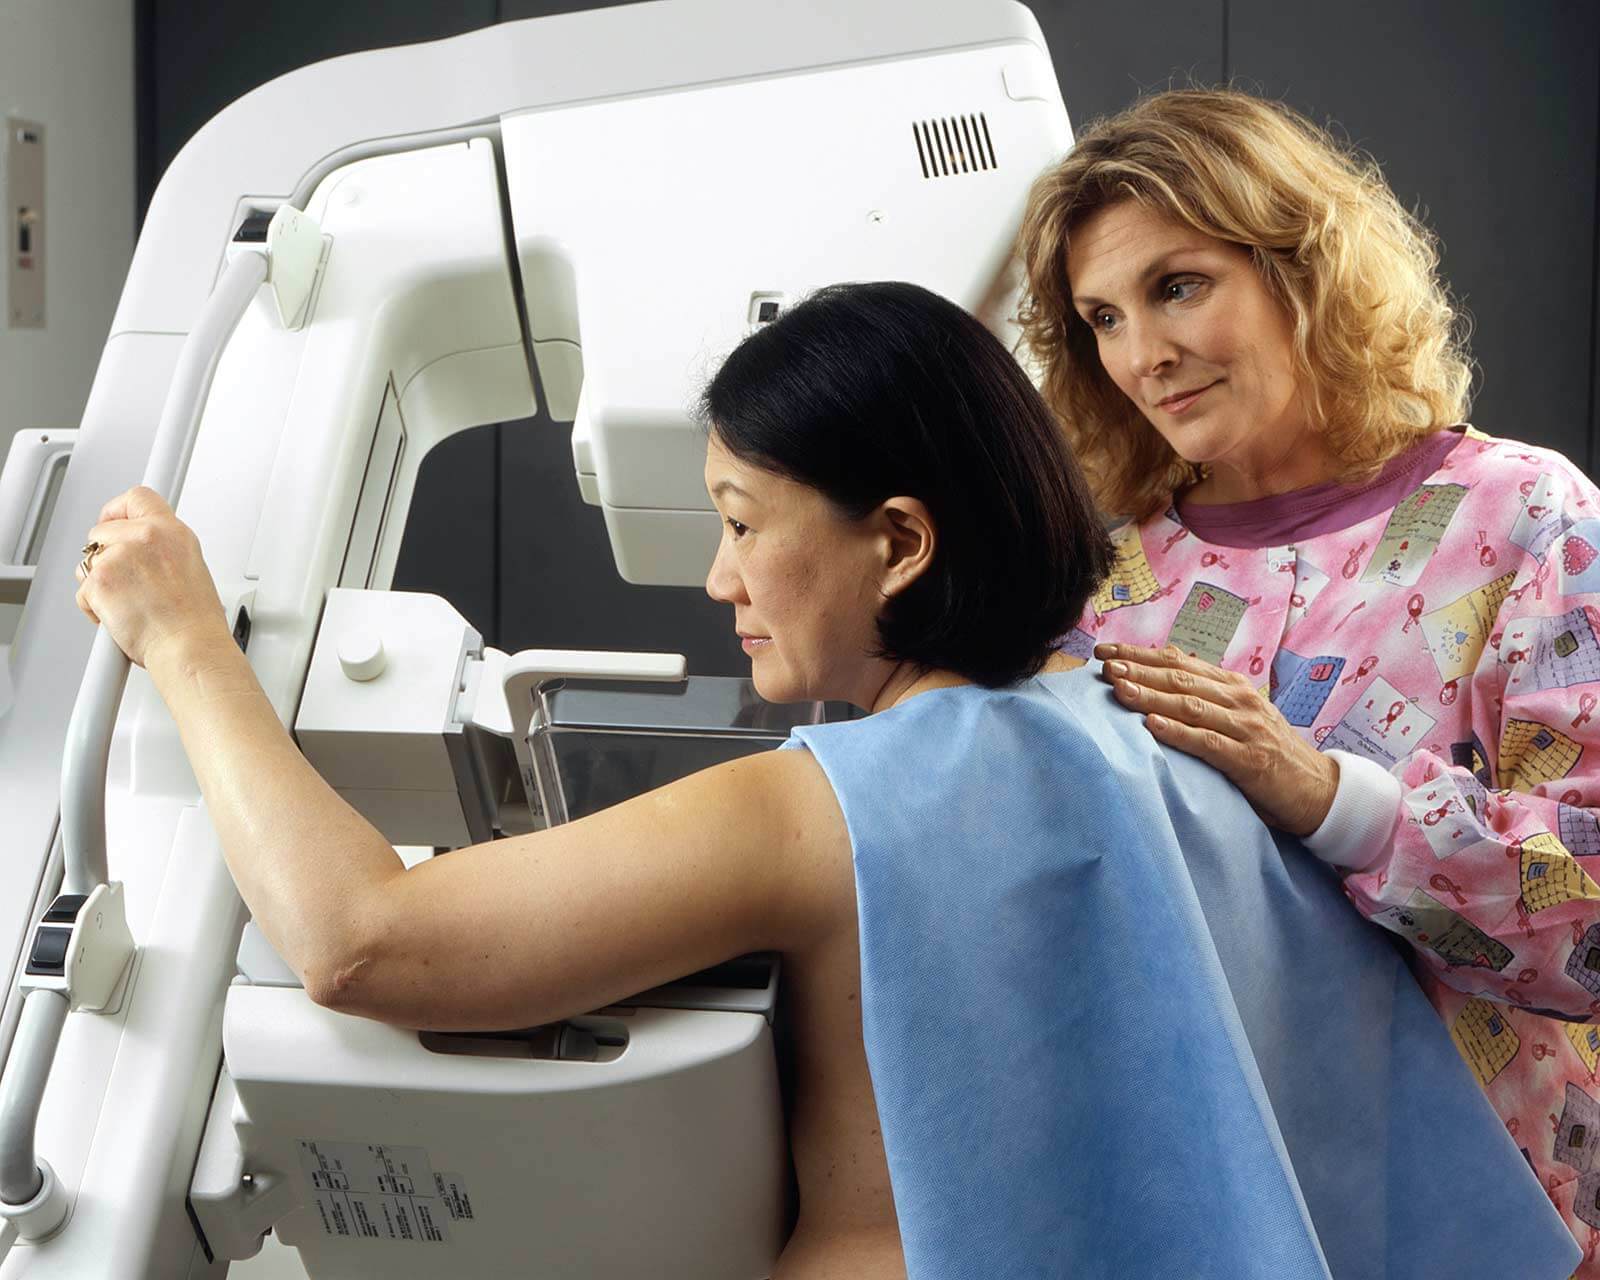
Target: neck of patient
[905, 680]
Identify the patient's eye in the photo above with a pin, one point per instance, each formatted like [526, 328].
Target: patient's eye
[734, 527]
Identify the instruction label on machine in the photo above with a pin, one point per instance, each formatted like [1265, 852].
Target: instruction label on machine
[377, 1192]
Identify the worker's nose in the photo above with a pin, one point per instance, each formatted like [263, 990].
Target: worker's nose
[1150, 350]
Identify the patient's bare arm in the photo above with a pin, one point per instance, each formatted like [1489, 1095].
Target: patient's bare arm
[752, 855]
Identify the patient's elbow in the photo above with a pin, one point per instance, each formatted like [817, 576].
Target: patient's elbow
[346, 964]
[344, 984]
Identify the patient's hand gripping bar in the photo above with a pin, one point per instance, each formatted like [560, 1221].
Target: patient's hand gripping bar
[33, 1203]
[94, 714]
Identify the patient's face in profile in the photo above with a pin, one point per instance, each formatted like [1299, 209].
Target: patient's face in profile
[804, 582]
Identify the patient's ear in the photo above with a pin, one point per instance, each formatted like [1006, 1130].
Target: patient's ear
[908, 542]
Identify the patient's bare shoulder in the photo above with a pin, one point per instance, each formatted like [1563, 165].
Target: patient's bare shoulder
[808, 837]
[847, 1225]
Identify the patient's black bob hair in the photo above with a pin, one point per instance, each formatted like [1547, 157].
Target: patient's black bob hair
[865, 392]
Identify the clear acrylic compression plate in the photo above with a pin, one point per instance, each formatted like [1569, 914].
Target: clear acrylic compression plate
[602, 742]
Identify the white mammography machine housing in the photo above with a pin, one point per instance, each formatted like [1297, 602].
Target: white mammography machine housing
[340, 270]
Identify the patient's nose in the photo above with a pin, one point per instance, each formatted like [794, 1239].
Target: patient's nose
[722, 582]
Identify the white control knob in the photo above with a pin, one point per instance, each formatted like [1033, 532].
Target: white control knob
[361, 654]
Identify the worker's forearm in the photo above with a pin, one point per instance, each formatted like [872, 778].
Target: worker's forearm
[307, 865]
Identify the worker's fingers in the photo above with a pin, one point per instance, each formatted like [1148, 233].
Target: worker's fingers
[1240, 761]
[1184, 676]
[1168, 667]
[1196, 709]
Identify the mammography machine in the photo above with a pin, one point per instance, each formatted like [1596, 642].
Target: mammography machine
[340, 270]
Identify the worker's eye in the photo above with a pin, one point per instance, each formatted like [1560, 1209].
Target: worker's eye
[1180, 288]
[734, 527]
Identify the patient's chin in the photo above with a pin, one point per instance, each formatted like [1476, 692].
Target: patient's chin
[775, 686]
[770, 689]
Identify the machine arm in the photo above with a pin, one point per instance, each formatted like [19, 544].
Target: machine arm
[24, 1182]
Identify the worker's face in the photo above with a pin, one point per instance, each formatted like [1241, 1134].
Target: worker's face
[1187, 330]
[804, 581]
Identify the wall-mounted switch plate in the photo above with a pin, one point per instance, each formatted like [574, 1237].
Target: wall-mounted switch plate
[23, 193]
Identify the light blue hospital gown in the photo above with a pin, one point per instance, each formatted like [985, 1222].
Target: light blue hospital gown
[1115, 1030]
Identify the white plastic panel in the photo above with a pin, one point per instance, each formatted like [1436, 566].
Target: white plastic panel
[261, 145]
[377, 487]
[416, 289]
[381, 740]
[770, 187]
[30, 482]
[606, 1170]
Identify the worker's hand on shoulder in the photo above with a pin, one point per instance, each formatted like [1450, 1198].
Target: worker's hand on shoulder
[1223, 719]
[143, 577]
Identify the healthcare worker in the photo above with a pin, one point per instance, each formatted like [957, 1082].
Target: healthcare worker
[1378, 622]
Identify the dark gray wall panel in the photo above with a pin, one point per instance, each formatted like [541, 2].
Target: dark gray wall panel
[1106, 55]
[559, 585]
[1483, 114]
[512, 10]
[451, 546]
[197, 56]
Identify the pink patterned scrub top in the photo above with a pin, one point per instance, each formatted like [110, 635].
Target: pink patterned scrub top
[1443, 623]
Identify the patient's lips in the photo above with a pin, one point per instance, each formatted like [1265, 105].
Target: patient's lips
[753, 644]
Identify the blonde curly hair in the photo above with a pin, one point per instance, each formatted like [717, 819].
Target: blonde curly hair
[1379, 349]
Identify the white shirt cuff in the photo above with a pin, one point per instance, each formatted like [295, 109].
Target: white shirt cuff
[1356, 832]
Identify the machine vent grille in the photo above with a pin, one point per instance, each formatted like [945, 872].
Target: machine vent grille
[954, 145]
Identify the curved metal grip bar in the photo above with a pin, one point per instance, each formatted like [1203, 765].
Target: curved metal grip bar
[94, 714]
[300, 198]
[32, 1053]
